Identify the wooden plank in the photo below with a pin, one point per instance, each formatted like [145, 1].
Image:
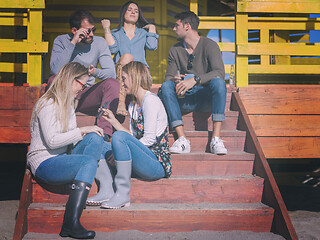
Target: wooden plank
[281, 99]
[13, 67]
[18, 97]
[278, 7]
[293, 49]
[284, 69]
[18, 21]
[158, 218]
[241, 35]
[14, 135]
[290, 147]
[23, 47]
[285, 125]
[22, 4]
[281, 25]
[271, 195]
[15, 118]
[213, 189]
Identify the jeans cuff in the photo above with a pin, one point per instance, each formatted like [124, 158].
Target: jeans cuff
[218, 117]
[176, 123]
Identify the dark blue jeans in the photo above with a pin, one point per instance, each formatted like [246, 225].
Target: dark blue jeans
[81, 165]
[208, 97]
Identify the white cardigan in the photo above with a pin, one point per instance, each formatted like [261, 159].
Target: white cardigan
[155, 117]
[47, 138]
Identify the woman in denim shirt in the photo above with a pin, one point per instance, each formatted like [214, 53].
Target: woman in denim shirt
[129, 41]
[133, 35]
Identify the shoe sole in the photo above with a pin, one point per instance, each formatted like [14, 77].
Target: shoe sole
[95, 203]
[109, 207]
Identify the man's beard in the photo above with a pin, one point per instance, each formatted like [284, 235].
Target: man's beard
[87, 40]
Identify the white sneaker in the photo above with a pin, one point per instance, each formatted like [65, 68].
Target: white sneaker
[217, 146]
[181, 145]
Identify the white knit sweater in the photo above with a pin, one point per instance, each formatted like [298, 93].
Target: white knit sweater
[47, 138]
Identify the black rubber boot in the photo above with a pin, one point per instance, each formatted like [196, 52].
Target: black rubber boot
[71, 222]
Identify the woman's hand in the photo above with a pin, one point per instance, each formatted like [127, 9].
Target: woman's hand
[108, 115]
[150, 27]
[106, 25]
[89, 129]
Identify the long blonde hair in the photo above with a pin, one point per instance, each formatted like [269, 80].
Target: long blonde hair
[140, 75]
[60, 92]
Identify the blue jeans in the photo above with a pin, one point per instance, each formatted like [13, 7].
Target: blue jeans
[145, 164]
[81, 165]
[210, 96]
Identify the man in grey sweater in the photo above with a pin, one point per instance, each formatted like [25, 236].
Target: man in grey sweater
[194, 82]
[82, 46]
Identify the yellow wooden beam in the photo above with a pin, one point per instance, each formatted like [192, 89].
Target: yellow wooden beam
[35, 4]
[279, 7]
[194, 6]
[4, 21]
[13, 67]
[241, 61]
[290, 49]
[23, 47]
[227, 47]
[34, 60]
[284, 69]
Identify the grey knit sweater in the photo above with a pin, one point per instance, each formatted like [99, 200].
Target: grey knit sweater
[47, 138]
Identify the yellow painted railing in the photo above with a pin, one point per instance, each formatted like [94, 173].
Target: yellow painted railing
[274, 51]
[33, 45]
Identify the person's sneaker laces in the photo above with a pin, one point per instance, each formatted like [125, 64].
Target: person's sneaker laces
[217, 146]
[181, 145]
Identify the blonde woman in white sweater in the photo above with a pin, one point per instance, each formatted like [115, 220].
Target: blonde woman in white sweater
[53, 132]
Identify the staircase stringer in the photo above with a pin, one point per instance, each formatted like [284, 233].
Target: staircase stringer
[271, 196]
[21, 226]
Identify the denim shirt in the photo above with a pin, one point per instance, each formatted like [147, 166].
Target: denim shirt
[137, 46]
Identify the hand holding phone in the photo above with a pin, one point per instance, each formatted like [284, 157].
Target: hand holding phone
[104, 106]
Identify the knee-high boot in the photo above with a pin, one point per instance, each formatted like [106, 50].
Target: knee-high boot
[122, 181]
[104, 179]
[71, 222]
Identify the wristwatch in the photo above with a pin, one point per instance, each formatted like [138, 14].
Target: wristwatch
[197, 79]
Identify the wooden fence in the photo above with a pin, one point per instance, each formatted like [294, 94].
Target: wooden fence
[29, 16]
[273, 50]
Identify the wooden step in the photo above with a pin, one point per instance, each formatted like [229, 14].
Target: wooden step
[208, 164]
[256, 217]
[200, 140]
[243, 189]
[200, 121]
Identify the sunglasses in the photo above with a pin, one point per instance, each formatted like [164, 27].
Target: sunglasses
[93, 30]
[190, 61]
[82, 85]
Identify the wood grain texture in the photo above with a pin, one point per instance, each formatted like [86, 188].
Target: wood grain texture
[286, 125]
[244, 189]
[281, 99]
[290, 147]
[47, 218]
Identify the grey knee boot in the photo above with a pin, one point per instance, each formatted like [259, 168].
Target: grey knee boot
[104, 179]
[122, 181]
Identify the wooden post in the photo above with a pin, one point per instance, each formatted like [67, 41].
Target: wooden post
[34, 60]
[194, 6]
[241, 31]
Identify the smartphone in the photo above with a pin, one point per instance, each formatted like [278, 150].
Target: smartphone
[104, 106]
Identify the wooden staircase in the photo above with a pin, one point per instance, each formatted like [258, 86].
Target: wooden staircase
[205, 191]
